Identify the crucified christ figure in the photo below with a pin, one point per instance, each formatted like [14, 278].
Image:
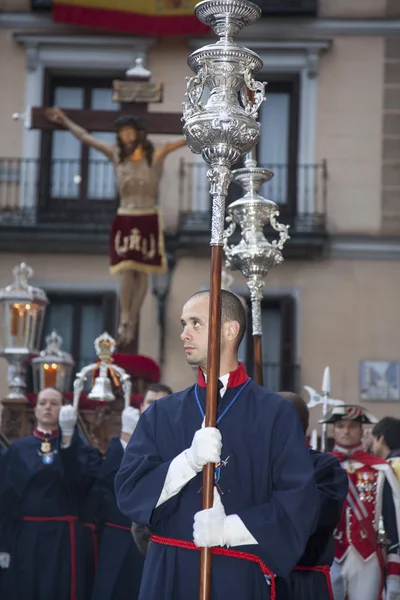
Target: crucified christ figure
[136, 241]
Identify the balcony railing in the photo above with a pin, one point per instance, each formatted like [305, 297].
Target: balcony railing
[31, 194]
[69, 196]
[300, 192]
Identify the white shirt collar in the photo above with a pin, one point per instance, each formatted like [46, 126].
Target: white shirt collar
[44, 431]
[224, 380]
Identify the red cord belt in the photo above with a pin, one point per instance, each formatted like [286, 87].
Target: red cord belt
[118, 527]
[325, 569]
[71, 520]
[165, 541]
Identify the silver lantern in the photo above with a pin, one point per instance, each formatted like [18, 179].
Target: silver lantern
[224, 128]
[53, 367]
[254, 255]
[22, 312]
[105, 347]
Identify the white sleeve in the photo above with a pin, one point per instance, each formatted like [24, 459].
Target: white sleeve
[236, 532]
[179, 474]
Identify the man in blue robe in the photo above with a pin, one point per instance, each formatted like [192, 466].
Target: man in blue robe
[266, 499]
[310, 579]
[43, 476]
[120, 565]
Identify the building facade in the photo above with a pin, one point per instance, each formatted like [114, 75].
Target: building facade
[331, 134]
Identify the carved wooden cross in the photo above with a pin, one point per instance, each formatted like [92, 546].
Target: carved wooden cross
[134, 95]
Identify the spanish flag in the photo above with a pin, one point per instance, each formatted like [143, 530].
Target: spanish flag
[138, 17]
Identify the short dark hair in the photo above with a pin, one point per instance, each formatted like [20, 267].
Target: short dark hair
[157, 388]
[300, 406]
[232, 309]
[389, 428]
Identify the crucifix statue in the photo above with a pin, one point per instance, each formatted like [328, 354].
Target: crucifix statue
[136, 239]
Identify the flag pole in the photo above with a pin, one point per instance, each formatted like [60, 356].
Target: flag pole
[221, 130]
[326, 390]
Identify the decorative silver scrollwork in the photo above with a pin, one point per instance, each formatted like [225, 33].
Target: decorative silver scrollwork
[281, 228]
[258, 87]
[195, 89]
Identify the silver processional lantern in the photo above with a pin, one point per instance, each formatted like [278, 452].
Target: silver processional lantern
[22, 311]
[254, 255]
[106, 368]
[53, 367]
[223, 129]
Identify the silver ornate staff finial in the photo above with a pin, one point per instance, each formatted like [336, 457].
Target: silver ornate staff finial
[223, 129]
[254, 255]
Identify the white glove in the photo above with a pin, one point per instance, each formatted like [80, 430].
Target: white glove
[392, 588]
[130, 417]
[206, 448]
[4, 560]
[67, 420]
[209, 525]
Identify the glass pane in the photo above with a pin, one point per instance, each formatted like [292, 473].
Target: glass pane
[273, 149]
[101, 177]
[66, 150]
[271, 342]
[91, 328]
[59, 316]
[69, 97]
[102, 99]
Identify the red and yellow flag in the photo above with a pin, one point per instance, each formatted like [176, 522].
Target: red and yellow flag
[139, 17]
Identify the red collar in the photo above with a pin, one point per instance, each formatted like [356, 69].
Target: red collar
[44, 436]
[308, 443]
[356, 453]
[236, 377]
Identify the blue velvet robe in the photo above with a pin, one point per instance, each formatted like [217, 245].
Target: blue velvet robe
[41, 551]
[120, 566]
[267, 478]
[332, 483]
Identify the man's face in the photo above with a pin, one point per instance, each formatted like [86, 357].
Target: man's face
[48, 408]
[149, 398]
[347, 433]
[129, 138]
[194, 320]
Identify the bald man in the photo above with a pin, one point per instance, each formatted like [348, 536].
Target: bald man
[265, 497]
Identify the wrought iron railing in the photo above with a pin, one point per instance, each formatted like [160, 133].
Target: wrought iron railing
[56, 192]
[300, 192]
[65, 192]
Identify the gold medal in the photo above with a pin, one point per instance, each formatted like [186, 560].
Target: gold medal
[45, 447]
[350, 467]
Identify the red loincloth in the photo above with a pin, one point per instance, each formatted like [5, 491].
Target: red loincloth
[137, 242]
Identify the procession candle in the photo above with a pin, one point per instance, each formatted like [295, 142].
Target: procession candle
[24, 316]
[50, 375]
[15, 309]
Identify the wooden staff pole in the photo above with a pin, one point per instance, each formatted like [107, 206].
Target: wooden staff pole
[258, 361]
[83, 429]
[214, 340]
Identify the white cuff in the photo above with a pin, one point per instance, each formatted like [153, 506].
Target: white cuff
[236, 532]
[179, 474]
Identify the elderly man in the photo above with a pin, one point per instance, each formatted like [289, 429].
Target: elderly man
[266, 500]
